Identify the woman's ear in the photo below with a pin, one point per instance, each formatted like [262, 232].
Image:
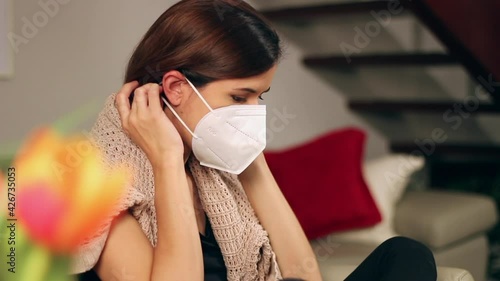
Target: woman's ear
[172, 86]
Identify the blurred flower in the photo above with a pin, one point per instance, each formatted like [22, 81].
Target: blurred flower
[3, 187]
[64, 190]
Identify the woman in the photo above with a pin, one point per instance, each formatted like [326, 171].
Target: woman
[203, 204]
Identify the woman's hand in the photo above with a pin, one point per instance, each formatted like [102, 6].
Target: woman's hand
[278, 219]
[254, 170]
[146, 124]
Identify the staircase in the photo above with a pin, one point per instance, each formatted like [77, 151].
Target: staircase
[461, 111]
[422, 72]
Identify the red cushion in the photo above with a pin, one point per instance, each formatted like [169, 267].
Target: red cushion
[323, 182]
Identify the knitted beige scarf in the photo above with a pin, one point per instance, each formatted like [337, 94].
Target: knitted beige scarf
[244, 243]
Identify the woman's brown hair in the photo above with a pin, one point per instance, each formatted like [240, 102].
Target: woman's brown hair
[206, 40]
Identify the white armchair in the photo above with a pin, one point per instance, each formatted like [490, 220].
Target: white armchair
[452, 224]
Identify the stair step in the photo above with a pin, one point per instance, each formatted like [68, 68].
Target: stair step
[449, 149]
[416, 106]
[330, 9]
[422, 59]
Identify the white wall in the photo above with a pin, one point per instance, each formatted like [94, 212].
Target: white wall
[78, 58]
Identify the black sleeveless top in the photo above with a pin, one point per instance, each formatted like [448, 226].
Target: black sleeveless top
[215, 269]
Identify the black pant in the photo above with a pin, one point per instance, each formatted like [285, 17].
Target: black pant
[397, 259]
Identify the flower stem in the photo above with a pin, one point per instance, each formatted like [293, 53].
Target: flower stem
[37, 265]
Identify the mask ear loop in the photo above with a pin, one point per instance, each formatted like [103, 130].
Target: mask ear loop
[177, 116]
[199, 95]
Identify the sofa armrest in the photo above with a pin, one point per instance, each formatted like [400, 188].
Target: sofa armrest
[439, 218]
[453, 274]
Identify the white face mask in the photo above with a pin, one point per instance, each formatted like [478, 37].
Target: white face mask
[228, 138]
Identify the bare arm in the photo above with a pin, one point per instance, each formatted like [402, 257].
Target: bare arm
[178, 254]
[293, 251]
[128, 255]
[119, 259]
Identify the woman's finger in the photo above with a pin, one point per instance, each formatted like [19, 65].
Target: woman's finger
[128, 89]
[154, 98]
[122, 102]
[140, 100]
[144, 100]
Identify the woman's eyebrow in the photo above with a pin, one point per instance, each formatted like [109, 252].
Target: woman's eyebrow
[252, 91]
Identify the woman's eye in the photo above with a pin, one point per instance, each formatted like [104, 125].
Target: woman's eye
[260, 97]
[238, 99]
